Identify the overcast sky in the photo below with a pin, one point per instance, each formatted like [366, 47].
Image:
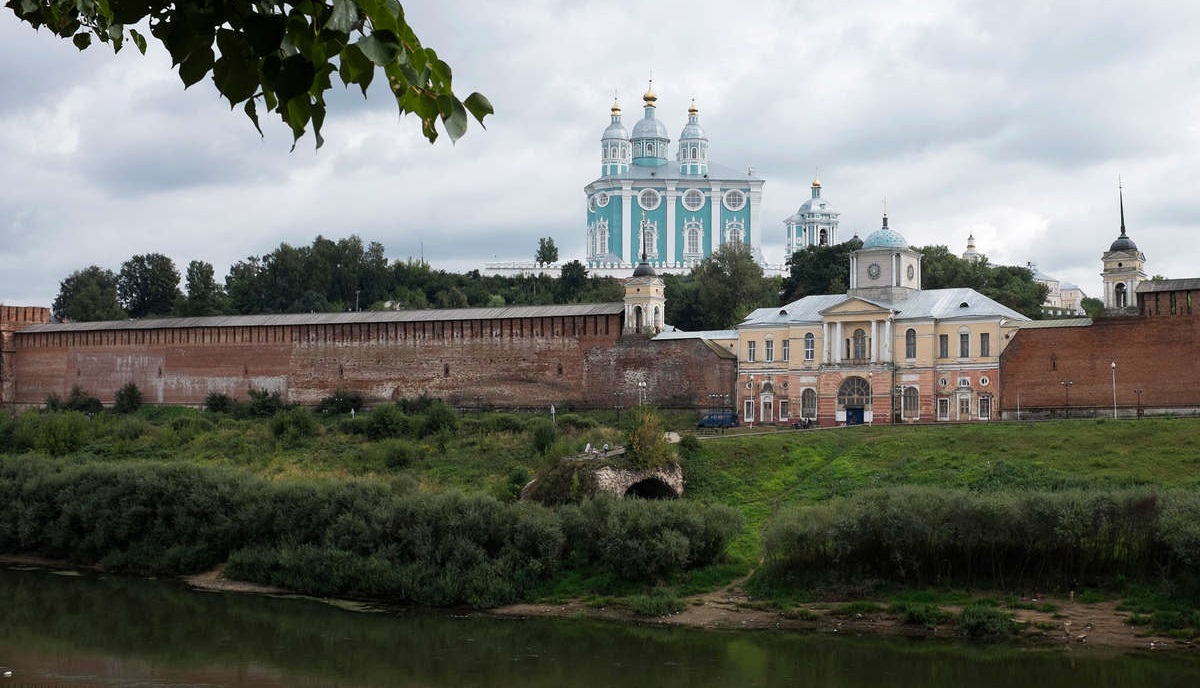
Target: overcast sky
[1009, 120]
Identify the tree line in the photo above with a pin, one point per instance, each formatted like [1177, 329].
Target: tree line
[325, 276]
[346, 274]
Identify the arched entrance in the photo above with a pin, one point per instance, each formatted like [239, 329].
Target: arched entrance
[651, 488]
[854, 400]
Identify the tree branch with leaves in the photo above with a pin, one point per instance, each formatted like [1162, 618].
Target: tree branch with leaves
[279, 54]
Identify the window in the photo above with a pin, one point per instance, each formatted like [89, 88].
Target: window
[1122, 297]
[649, 199]
[964, 344]
[910, 343]
[693, 199]
[943, 346]
[769, 351]
[601, 235]
[943, 409]
[810, 346]
[748, 411]
[786, 349]
[601, 199]
[735, 199]
[808, 403]
[693, 232]
[783, 409]
[751, 349]
[860, 344]
[964, 382]
[733, 232]
[649, 239]
[985, 344]
[985, 408]
[912, 402]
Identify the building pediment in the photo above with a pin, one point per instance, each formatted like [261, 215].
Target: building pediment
[857, 306]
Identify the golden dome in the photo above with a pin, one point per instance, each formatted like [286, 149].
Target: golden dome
[616, 109]
[650, 97]
[692, 110]
[816, 182]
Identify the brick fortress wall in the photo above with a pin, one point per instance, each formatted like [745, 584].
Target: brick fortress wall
[12, 320]
[580, 360]
[1154, 354]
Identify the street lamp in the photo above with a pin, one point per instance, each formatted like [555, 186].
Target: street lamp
[1067, 390]
[1114, 378]
[1138, 392]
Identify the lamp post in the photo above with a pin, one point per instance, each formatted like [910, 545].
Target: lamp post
[641, 392]
[1114, 379]
[1067, 391]
[1138, 392]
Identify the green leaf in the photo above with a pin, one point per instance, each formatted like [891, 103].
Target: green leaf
[380, 47]
[197, 64]
[478, 106]
[264, 32]
[252, 112]
[441, 73]
[235, 72]
[456, 123]
[295, 78]
[82, 40]
[344, 17]
[138, 40]
[318, 119]
[297, 115]
[355, 68]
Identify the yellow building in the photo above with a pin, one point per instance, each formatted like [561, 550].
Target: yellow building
[884, 352]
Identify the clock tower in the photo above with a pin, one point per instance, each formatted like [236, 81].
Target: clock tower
[885, 268]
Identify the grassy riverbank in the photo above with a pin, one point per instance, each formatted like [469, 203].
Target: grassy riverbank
[380, 502]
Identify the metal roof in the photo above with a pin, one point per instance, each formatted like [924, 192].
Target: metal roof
[1187, 284]
[1049, 324]
[431, 315]
[940, 304]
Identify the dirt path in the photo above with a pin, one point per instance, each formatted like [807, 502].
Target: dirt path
[1075, 625]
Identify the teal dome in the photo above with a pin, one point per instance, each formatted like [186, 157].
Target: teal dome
[885, 238]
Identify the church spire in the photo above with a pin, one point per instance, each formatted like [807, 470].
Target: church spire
[1121, 195]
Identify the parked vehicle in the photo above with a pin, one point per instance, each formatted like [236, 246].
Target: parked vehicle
[718, 419]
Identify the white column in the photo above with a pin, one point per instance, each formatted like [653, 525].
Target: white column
[837, 351]
[874, 341]
[754, 235]
[671, 228]
[889, 338]
[627, 231]
[853, 272]
[714, 196]
[825, 353]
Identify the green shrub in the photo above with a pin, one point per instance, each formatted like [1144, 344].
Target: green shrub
[542, 436]
[217, 402]
[263, 404]
[658, 603]
[77, 400]
[293, 426]
[128, 399]
[982, 622]
[341, 401]
[56, 434]
[439, 419]
[396, 453]
[502, 422]
[920, 614]
[387, 421]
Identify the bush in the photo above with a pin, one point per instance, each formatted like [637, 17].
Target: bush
[542, 437]
[983, 622]
[56, 434]
[128, 399]
[646, 447]
[217, 402]
[264, 404]
[293, 426]
[77, 400]
[920, 614]
[387, 421]
[439, 419]
[341, 401]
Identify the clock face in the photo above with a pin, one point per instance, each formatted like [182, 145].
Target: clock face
[873, 271]
[911, 272]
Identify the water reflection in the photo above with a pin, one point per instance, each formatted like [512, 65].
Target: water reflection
[108, 631]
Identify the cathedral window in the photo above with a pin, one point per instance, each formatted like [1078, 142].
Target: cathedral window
[649, 240]
[601, 237]
[649, 199]
[735, 199]
[910, 343]
[693, 232]
[693, 199]
[733, 232]
[601, 199]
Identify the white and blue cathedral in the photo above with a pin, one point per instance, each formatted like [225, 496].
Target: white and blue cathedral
[671, 214]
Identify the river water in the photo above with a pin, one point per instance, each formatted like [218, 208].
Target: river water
[59, 630]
